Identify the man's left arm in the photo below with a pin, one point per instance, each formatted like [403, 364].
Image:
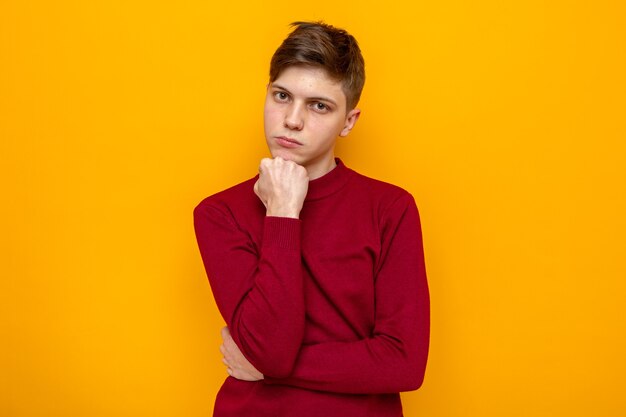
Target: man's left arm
[393, 358]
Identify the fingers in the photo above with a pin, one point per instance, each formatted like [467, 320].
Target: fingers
[234, 369]
[228, 348]
[224, 332]
[227, 360]
[265, 162]
[228, 343]
[226, 357]
[236, 364]
[282, 187]
[270, 163]
[229, 351]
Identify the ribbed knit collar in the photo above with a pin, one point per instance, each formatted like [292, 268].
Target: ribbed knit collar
[329, 183]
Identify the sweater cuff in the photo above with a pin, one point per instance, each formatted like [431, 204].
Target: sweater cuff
[281, 233]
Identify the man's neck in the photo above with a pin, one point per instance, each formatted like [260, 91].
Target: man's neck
[319, 170]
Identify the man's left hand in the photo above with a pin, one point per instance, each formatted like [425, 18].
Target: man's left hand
[238, 365]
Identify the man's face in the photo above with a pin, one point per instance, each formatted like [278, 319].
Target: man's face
[305, 112]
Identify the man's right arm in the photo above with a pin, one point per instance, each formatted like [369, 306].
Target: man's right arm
[259, 291]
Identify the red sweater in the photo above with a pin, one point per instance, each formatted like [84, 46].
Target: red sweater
[332, 308]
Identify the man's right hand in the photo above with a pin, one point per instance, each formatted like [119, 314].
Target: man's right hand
[282, 187]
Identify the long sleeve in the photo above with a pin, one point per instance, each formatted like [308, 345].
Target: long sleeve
[257, 286]
[393, 358]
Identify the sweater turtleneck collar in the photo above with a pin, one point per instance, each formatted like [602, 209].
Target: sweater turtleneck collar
[329, 183]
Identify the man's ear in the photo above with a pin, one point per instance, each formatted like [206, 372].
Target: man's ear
[351, 118]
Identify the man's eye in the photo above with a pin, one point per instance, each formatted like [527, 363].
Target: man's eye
[321, 107]
[280, 95]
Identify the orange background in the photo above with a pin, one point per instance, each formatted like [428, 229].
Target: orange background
[506, 120]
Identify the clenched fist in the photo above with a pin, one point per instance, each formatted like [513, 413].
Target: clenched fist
[282, 187]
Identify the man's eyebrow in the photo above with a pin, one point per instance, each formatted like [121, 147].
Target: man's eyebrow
[280, 87]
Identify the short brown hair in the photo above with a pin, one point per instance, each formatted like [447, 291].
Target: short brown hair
[321, 45]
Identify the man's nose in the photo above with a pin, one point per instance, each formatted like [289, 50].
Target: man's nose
[294, 119]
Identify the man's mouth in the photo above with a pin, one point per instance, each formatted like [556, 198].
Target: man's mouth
[288, 142]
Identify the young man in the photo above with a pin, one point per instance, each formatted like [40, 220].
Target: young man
[317, 270]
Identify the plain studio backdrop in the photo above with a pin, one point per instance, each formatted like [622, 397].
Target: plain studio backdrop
[505, 120]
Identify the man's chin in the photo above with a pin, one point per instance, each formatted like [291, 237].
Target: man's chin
[287, 156]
